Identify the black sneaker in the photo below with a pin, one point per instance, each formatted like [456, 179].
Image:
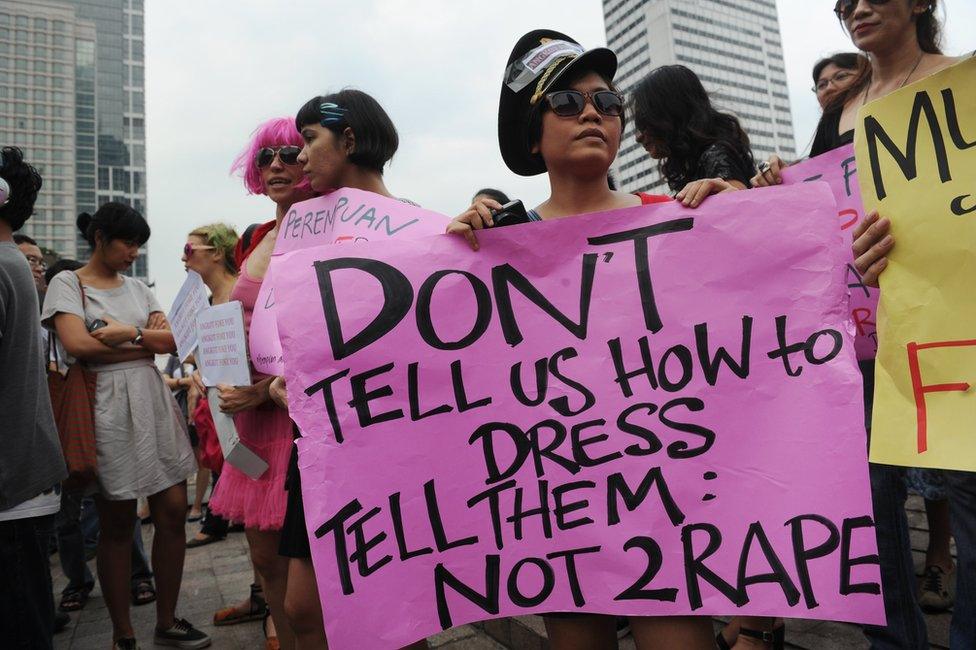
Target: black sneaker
[125, 644]
[61, 620]
[182, 635]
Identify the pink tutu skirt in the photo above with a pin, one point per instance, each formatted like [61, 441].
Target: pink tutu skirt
[257, 503]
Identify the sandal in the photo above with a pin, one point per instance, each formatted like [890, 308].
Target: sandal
[256, 611]
[72, 601]
[195, 542]
[143, 593]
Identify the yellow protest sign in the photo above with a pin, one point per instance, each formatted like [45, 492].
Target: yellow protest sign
[916, 157]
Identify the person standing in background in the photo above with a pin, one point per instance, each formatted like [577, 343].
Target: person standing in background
[31, 465]
[833, 74]
[114, 324]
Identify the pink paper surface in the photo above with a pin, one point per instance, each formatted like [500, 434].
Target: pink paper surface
[838, 169]
[343, 216]
[778, 446]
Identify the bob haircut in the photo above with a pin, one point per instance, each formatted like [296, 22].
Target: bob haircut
[535, 115]
[113, 221]
[376, 136]
[276, 132]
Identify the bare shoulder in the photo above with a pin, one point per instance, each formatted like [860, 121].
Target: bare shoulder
[940, 62]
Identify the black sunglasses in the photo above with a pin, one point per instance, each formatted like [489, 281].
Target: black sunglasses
[844, 8]
[569, 103]
[287, 155]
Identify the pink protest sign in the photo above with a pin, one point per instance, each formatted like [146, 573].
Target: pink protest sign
[650, 411]
[838, 169]
[343, 216]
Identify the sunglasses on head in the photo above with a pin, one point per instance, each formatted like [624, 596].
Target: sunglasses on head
[569, 103]
[188, 249]
[844, 8]
[287, 155]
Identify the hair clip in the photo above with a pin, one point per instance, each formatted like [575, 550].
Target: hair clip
[332, 114]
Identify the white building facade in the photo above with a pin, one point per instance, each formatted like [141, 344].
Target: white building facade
[734, 46]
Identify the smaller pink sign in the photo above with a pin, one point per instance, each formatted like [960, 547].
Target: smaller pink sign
[838, 169]
[344, 216]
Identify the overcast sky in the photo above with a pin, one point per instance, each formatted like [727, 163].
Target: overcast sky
[215, 70]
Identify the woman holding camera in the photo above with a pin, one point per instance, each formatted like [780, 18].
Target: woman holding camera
[566, 119]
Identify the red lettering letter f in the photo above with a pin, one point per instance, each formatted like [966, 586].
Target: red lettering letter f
[919, 389]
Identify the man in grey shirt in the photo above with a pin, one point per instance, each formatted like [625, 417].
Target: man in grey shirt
[31, 465]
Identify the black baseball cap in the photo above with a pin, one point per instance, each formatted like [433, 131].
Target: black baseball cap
[538, 62]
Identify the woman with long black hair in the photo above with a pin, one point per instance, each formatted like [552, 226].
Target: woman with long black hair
[902, 41]
[700, 150]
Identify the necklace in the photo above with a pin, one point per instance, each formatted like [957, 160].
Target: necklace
[903, 81]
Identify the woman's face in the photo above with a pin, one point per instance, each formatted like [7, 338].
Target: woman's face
[653, 145]
[589, 139]
[324, 159]
[118, 254]
[281, 181]
[873, 26]
[832, 80]
[202, 257]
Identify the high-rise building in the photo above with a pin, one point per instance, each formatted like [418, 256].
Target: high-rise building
[734, 46]
[72, 95]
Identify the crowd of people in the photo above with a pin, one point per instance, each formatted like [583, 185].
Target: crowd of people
[99, 330]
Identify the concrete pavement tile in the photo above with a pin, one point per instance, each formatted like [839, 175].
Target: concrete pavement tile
[452, 635]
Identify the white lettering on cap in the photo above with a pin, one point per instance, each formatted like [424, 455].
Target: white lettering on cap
[524, 71]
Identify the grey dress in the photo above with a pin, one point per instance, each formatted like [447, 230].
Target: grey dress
[140, 437]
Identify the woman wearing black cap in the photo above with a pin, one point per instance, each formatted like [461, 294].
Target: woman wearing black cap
[559, 113]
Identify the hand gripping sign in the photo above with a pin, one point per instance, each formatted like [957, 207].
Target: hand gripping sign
[838, 169]
[223, 360]
[916, 154]
[341, 217]
[651, 411]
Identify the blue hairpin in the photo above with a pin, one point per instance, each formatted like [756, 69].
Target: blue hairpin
[332, 114]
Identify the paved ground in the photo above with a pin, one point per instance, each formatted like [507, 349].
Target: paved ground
[219, 574]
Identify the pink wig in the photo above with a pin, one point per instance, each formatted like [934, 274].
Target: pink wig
[276, 132]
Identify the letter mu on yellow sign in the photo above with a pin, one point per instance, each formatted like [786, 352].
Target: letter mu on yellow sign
[916, 157]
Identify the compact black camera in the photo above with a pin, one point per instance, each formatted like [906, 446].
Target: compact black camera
[510, 214]
[97, 324]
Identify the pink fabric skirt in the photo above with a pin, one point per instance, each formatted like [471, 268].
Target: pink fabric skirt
[257, 503]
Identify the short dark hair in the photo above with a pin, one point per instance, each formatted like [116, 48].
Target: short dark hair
[63, 264]
[24, 181]
[843, 60]
[494, 194]
[24, 239]
[114, 221]
[376, 137]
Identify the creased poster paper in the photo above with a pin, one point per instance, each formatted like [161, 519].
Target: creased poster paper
[649, 411]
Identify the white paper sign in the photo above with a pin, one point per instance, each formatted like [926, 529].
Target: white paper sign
[222, 356]
[234, 450]
[191, 299]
